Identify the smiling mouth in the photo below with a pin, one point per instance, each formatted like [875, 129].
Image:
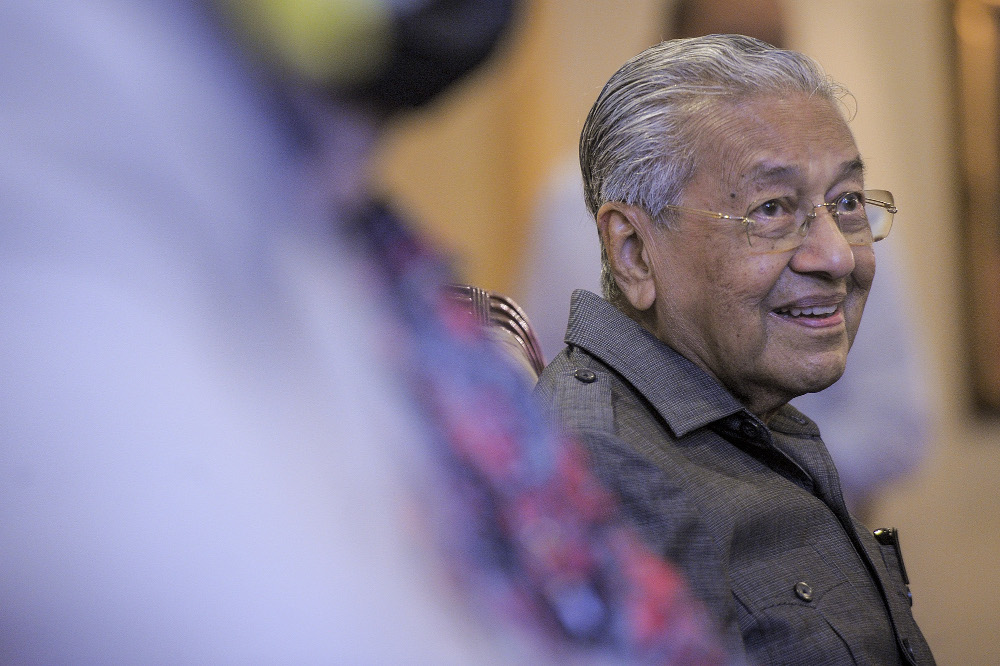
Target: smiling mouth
[818, 312]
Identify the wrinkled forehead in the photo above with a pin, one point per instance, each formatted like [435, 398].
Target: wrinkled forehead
[792, 139]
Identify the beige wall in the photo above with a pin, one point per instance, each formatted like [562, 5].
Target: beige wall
[469, 170]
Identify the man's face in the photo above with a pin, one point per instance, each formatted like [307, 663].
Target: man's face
[743, 313]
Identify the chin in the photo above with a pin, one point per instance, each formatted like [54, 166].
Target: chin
[820, 376]
[813, 373]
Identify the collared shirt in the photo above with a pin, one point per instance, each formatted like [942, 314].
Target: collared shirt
[752, 513]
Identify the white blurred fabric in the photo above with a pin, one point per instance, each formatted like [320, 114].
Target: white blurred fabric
[202, 443]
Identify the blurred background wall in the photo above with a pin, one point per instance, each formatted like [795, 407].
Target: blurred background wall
[469, 172]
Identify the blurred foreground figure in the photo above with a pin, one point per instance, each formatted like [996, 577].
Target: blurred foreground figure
[737, 234]
[239, 425]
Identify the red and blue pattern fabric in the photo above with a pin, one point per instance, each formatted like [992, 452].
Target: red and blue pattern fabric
[532, 532]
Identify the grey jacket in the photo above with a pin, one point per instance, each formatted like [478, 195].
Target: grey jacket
[752, 514]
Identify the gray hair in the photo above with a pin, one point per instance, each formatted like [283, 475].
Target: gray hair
[637, 144]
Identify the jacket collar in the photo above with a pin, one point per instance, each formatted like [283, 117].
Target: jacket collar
[683, 394]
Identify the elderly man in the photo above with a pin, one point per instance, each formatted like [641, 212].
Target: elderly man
[736, 233]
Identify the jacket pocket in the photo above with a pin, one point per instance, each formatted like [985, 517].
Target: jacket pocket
[796, 608]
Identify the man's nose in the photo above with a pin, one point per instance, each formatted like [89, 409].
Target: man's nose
[824, 249]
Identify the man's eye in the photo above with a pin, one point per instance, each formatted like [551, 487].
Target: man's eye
[850, 202]
[769, 209]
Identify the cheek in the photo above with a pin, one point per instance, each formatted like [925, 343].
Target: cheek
[739, 290]
[864, 267]
[746, 282]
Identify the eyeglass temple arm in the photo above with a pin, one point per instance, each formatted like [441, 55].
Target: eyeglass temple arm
[718, 216]
[884, 204]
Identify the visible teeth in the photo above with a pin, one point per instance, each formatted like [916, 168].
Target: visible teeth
[798, 312]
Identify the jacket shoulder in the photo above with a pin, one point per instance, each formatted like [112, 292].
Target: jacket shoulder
[576, 389]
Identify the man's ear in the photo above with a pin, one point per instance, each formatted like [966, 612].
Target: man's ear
[625, 231]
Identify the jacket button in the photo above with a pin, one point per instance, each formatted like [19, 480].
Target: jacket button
[803, 591]
[584, 375]
[749, 429]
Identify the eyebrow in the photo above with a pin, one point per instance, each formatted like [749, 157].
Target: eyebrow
[855, 167]
[768, 173]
